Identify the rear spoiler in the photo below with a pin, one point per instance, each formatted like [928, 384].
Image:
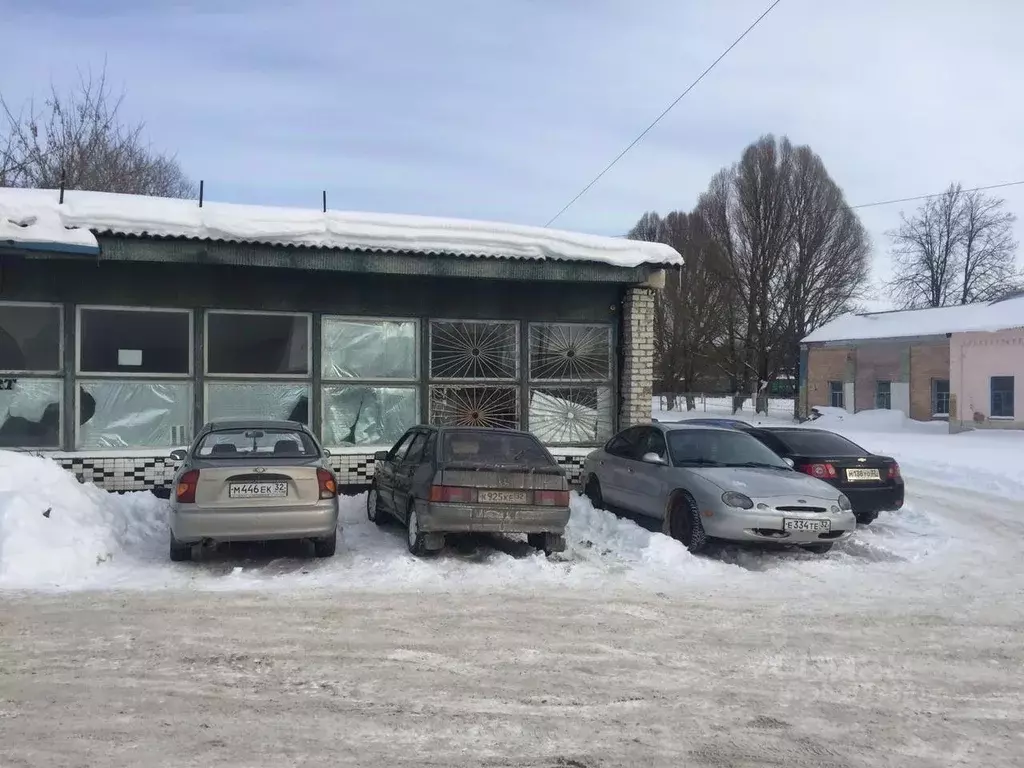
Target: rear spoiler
[466, 466]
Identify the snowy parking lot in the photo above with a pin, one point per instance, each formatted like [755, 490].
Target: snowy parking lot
[900, 646]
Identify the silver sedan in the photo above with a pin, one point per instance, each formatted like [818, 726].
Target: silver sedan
[253, 481]
[706, 483]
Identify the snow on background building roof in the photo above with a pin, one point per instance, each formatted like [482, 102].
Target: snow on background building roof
[103, 212]
[966, 318]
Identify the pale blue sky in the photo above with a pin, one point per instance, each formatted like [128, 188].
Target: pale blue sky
[504, 109]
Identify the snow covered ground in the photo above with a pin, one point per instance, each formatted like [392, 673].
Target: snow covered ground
[899, 647]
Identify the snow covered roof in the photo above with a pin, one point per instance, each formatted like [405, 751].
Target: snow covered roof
[966, 318]
[47, 221]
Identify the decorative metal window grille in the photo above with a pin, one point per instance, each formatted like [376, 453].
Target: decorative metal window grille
[571, 414]
[568, 352]
[474, 350]
[479, 406]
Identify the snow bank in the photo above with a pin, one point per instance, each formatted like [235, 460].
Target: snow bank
[57, 532]
[162, 217]
[877, 420]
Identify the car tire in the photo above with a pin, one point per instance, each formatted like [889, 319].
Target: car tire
[818, 549]
[684, 525]
[866, 518]
[327, 546]
[548, 543]
[180, 552]
[592, 491]
[415, 539]
[373, 512]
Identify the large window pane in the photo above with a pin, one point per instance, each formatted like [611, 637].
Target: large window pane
[261, 344]
[134, 341]
[474, 350]
[30, 413]
[480, 406]
[30, 338]
[355, 415]
[571, 414]
[570, 352]
[133, 414]
[368, 349]
[257, 400]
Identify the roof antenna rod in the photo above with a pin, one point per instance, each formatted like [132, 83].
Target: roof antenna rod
[61, 201]
[200, 193]
[325, 201]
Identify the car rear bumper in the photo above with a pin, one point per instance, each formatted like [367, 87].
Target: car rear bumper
[256, 524]
[867, 500]
[742, 525]
[509, 518]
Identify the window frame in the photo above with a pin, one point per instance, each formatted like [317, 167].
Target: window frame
[518, 356]
[554, 383]
[190, 430]
[1013, 397]
[417, 339]
[11, 374]
[61, 426]
[333, 384]
[888, 394]
[207, 373]
[277, 382]
[156, 377]
[840, 391]
[936, 413]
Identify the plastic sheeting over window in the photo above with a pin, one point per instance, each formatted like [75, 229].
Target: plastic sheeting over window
[474, 350]
[258, 400]
[133, 414]
[369, 349]
[571, 414]
[355, 415]
[30, 411]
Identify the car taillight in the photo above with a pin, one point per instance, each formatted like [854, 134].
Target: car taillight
[328, 486]
[894, 471]
[551, 498]
[823, 471]
[186, 491]
[452, 494]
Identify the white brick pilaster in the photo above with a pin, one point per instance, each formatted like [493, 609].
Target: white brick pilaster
[636, 379]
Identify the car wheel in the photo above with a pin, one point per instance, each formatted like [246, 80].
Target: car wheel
[593, 492]
[179, 551]
[327, 546]
[818, 549]
[414, 537]
[373, 513]
[683, 523]
[866, 518]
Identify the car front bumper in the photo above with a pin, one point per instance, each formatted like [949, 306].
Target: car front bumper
[769, 526]
[255, 524]
[508, 518]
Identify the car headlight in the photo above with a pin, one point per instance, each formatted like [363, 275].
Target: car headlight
[844, 503]
[738, 500]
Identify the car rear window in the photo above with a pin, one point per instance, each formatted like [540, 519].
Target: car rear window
[496, 447]
[247, 443]
[807, 443]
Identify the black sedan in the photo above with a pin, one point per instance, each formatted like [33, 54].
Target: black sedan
[871, 482]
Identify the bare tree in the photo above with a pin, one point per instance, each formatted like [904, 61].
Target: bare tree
[78, 138]
[958, 248]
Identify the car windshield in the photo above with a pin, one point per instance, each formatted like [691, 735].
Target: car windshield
[809, 443]
[247, 443]
[495, 447]
[720, 448]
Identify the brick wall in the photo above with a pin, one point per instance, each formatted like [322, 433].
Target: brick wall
[927, 362]
[637, 374]
[878, 362]
[825, 364]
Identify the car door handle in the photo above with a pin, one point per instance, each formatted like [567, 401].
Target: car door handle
[630, 470]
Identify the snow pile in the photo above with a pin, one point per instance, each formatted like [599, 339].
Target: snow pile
[162, 217]
[876, 420]
[57, 532]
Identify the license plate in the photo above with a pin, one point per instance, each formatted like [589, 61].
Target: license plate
[807, 526]
[862, 474]
[257, 490]
[503, 497]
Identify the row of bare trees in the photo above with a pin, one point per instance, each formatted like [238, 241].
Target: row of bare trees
[78, 137]
[771, 251]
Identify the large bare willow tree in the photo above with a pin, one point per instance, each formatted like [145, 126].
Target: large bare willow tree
[78, 137]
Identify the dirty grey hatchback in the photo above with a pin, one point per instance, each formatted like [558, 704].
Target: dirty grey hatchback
[440, 480]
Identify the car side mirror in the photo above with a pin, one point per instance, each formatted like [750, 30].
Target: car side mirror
[380, 457]
[652, 458]
[327, 453]
[789, 462]
[178, 454]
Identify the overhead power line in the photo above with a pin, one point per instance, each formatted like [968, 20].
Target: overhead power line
[658, 119]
